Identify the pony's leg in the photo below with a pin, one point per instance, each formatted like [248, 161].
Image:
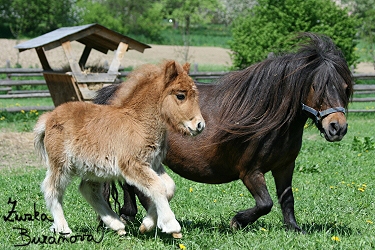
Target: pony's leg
[152, 186]
[256, 184]
[53, 187]
[283, 181]
[92, 191]
[129, 210]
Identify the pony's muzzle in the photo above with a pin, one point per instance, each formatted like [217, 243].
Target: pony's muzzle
[335, 128]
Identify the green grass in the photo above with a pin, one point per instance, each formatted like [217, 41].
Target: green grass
[334, 202]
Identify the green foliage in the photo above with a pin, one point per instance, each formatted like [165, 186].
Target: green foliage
[271, 24]
[33, 18]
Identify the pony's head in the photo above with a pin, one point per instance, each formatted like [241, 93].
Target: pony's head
[331, 87]
[180, 105]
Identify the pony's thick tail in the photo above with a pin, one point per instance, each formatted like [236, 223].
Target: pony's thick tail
[39, 134]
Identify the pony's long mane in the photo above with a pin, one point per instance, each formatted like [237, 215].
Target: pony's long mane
[267, 96]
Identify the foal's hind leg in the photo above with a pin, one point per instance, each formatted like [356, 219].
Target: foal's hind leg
[256, 184]
[53, 187]
[92, 191]
[283, 180]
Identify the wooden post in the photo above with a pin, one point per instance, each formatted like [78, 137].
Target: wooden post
[74, 66]
[43, 59]
[121, 49]
[84, 57]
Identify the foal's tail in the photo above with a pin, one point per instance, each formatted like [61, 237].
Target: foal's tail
[39, 133]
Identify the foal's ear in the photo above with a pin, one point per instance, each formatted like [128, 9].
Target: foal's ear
[171, 71]
[186, 67]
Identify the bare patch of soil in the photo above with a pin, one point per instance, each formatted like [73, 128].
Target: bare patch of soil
[17, 150]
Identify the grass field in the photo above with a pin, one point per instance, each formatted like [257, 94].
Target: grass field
[334, 201]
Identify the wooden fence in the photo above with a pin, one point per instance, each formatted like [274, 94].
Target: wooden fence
[9, 86]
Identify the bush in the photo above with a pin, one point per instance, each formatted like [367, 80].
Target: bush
[271, 24]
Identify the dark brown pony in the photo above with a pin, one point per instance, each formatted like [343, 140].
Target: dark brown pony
[130, 145]
[255, 120]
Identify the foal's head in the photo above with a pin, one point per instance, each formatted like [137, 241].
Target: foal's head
[180, 105]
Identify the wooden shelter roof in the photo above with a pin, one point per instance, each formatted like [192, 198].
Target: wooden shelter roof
[93, 35]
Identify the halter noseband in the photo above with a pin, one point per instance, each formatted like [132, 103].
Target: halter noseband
[318, 116]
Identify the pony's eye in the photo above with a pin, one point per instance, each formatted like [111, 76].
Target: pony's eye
[180, 97]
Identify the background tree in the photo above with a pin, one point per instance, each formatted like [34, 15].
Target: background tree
[365, 10]
[269, 26]
[130, 17]
[32, 18]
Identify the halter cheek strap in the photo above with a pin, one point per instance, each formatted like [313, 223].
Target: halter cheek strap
[318, 116]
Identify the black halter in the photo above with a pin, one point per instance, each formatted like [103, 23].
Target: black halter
[318, 116]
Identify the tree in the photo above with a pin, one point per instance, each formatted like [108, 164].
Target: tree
[33, 18]
[186, 13]
[136, 17]
[269, 26]
[365, 10]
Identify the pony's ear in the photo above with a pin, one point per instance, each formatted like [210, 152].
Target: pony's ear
[186, 67]
[171, 71]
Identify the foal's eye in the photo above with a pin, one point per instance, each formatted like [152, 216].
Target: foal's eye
[180, 97]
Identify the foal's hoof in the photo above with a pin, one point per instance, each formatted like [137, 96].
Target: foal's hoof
[142, 229]
[177, 235]
[121, 232]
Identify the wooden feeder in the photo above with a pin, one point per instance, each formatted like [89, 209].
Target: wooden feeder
[76, 85]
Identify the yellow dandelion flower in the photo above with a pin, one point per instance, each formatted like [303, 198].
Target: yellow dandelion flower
[2, 118]
[182, 246]
[331, 187]
[263, 229]
[190, 189]
[364, 185]
[369, 222]
[23, 111]
[215, 201]
[361, 189]
[241, 195]
[335, 238]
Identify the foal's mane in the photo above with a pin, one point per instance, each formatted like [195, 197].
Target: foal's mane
[147, 74]
[267, 96]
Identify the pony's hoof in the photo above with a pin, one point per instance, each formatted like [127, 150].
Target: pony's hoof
[177, 235]
[234, 224]
[121, 232]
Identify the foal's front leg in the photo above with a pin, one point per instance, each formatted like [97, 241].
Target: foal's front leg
[149, 183]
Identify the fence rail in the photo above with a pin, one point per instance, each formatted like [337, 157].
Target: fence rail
[8, 83]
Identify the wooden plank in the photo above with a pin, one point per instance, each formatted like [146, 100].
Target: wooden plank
[28, 109]
[74, 66]
[361, 110]
[62, 88]
[364, 99]
[19, 96]
[43, 59]
[15, 92]
[21, 82]
[84, 56]
[19, 70]
[363, 87]
[116, 62]
[95, 77]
